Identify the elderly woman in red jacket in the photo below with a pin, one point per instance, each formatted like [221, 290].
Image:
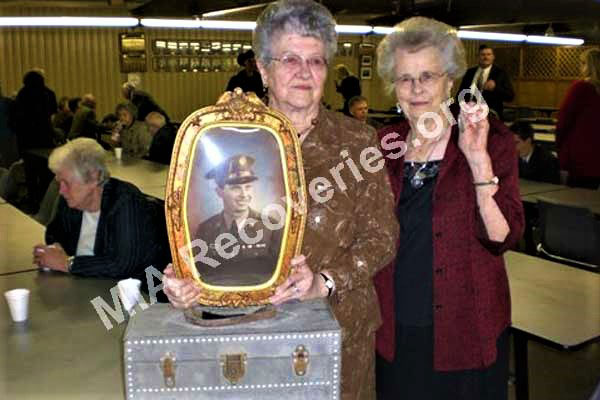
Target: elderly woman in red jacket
[445, 300]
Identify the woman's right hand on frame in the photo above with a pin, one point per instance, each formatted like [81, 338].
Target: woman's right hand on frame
[182, 293]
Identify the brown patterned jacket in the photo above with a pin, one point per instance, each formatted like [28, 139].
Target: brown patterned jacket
[353, 235]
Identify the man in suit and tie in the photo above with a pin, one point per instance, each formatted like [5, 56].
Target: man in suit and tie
[246, 249]
[535, 162]
[492, 81]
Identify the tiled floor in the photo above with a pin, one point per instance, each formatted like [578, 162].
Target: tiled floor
[562, 375]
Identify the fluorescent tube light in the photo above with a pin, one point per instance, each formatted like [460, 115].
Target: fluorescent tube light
[503, 37]
[554, 40]
[353, 29]
[170, 23]
[238, 25]
[232, 10]
[382, 30]
[68, 21]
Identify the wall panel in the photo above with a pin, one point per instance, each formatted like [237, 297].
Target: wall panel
[82, 60]
[75, 60]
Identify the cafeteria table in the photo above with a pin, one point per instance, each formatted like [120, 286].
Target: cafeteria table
[18, 234]
[140, 172]
[552, 303]
[547, 128]
[155, 191]
[527, 187]
[63, 351]
[578, 197]
[544, 137]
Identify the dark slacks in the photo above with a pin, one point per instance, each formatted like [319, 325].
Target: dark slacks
[411, 375]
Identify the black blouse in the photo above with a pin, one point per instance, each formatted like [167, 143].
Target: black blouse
[414, 262]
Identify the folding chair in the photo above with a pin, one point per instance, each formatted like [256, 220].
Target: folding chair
[596, 394]
[49, 204]
[569, 234]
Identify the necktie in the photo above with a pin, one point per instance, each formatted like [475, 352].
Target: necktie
[480, 81]
[234, 229]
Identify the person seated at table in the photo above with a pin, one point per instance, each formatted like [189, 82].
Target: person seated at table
[359, 109]
[103, 227]
[129, 133]
[84, 120]
[347, 85]
[142, 100]
[63, 119]
[74, 104]
[535, 162]
[163, 138]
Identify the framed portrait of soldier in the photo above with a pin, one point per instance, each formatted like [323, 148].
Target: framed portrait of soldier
[235, 200]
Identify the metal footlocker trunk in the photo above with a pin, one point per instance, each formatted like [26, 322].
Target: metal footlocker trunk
[295, 355]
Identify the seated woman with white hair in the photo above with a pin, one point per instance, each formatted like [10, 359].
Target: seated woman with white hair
[103, 227]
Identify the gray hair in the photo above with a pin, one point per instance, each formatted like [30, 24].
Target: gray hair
[414, 34]
[84, 156]
[342, 70]
[156, 117]
[356, 99]
[302, 17]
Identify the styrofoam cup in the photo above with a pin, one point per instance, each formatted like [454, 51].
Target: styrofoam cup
[18, 303]
[129, 292]
[118, 152]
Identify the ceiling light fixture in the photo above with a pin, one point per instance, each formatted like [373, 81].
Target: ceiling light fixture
[554, 40]
[237, 25]
[495, 36]
[232, 10]
[361, 29]
[170, 23]
[69, 21]
[250, 25]
[382, 30]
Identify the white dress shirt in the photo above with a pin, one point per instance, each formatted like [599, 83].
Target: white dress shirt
[87, 235]
[481, 71]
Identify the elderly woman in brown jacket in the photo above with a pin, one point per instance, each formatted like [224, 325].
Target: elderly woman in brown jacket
[351, 229]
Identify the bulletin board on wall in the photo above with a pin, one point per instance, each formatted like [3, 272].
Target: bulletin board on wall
[132, 52]
[169, 55]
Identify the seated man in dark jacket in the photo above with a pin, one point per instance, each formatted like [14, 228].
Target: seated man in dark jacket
[84, 121]
[143, 101]
[535, 162]
[103, 227]
[163, 138]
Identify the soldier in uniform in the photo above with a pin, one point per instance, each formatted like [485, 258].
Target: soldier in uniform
[252, 257]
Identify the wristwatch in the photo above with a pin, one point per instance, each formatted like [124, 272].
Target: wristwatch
[329, 284]
[70, 263]
[494, 181]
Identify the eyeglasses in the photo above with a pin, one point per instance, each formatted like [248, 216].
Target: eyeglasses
[426, 79]
[293, 62]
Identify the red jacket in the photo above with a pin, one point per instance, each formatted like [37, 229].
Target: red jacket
[470, 286]
[577, 131]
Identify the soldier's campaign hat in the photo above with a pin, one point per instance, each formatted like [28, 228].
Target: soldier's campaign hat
[236, 169]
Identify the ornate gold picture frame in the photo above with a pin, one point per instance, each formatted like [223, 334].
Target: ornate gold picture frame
[236, 200]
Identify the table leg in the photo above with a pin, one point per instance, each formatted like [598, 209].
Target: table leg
[521, 365]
